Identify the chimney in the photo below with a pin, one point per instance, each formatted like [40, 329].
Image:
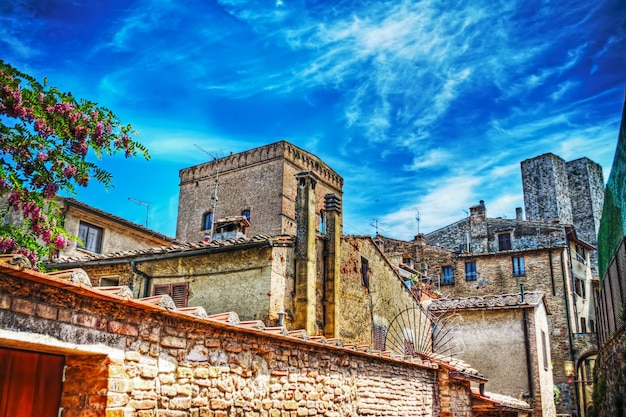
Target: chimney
[479, 209]
[519, 216]
[332, 264]
[305, 254]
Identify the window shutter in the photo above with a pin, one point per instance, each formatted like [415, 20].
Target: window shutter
[178, 291]
[179, 294]
[160, 289]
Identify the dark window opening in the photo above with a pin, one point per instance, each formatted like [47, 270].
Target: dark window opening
[380, 333]
[583, 325]
[90, 237]
[504, 241]
[518, 266]
[177, 290]
[581, 254]
[448, 275]
[207, 220]
[470, 271]
[579, 288]
[365, 281]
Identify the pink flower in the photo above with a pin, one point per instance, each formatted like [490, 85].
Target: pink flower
[50, 190]
[69, 171]
[46, 236]
[42, 156]
[60, 242]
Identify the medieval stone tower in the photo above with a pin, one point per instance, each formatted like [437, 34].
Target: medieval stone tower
[259, 184]
[568, 192]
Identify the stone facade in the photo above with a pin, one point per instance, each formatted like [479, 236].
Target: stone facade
[566, 192]
[261, 181]
[133, 358]
[503, 254]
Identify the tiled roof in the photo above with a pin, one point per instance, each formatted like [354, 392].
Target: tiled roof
[175, 248]
[501, 401]
[117, 219]
[531, 299]
[457, 365]
[164, 303]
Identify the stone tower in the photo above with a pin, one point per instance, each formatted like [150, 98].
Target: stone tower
[259, 184]
[568, 192]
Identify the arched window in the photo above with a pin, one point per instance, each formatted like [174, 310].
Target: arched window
[207, 219]
[246, 214]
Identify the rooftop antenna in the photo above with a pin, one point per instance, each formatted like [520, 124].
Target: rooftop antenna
[143, 203]
[214, 194]
[375, 224]
[417, 218]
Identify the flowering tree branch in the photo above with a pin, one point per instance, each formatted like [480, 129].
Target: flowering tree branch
[45, 138]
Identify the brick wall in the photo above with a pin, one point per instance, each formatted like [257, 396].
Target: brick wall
[260, 180]
[127, 359]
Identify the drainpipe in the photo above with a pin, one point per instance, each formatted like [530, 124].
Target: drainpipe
[142, 277]
[529, 368]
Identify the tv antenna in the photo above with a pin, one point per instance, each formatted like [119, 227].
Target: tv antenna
[214, 194]
[417, 218]
[143, 203]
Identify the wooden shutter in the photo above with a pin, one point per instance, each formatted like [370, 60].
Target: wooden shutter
[178, 291]
[179, 294]
[30, 383]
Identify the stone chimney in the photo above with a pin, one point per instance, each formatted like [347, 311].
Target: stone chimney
[332, 264]
[478, 210]
[478, 236]
[305, 254]
[519, 215]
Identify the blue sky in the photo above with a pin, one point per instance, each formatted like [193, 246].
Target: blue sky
[422, 106]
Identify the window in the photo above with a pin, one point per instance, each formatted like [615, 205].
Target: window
[322, 222]
[365, 279]
[111, 281]
[518, 266]
[470, 271]
[177, 290]
[90, 236]
[583, 325]
[544, 349]
[380, 334]
[207, 220]
[579, 288]
[504, 241]
[246, 214]
[448, 275]
[581, 254]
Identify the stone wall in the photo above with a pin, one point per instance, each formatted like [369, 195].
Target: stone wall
[128, 358]
[609, 395]
[260, 180]
[546, 189]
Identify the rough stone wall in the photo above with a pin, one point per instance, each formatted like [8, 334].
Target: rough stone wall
[257, 187]
[546, 189]
[260, 180]
[586, 186]
[362, 307]
[609, 396]
[161, 364]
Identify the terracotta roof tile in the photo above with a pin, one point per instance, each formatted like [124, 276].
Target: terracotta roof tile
[531, 299]
[175, 247]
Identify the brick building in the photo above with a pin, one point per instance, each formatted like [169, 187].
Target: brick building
[259, 183]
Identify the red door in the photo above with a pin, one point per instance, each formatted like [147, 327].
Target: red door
[30, 383]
